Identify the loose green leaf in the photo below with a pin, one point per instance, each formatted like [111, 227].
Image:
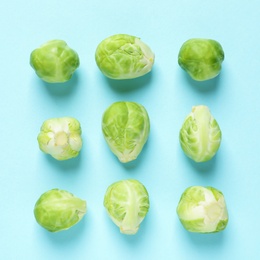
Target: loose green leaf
[58, 210]
[123, 56]
[127, 203]
[60, 137]
[200, 135]
[202, 210]
[126, 127]
[201, 58]
[54, 61]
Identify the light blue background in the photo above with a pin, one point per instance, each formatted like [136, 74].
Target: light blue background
[168, 95]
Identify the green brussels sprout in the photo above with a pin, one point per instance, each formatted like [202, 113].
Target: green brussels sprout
[58, 210]
[127, 203]
[123, 56]
[54, 61]
[126, 127]
[60, 137]
[202, 210]
[201, 58]
[200, 135]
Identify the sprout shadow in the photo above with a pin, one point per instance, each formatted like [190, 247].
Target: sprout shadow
[203, 86]
[67, 165]
[62, 89]
[207, 239]
[129, 166]
[128, 85]
[203, 166]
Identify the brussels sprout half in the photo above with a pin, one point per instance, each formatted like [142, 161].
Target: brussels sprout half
[58, 210]
[60, 137]
[202, 210]
[54, 61]
[201, 58]
[123, 56]
[200, 135]
[127, 203]
[126, 127]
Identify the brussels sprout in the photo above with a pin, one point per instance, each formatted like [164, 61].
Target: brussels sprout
[60, 137]
[202, 210]
[201, 58]
[127, 203]
[54, 61]
[200, 135]
[58, 210]
[123, 56]
[126, 127]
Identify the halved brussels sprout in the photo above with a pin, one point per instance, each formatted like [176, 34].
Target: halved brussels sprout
[127, 203]
[58, 210]
[54, 61]
[123, 56]
[60, 137]
[202, 210]
[200, 135]
[201, 58]
[126, 127]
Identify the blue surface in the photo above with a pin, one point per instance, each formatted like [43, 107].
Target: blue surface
[168, 95]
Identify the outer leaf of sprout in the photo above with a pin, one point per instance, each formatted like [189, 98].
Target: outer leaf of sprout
[54, 61]
[200, 135]
[126, 128]
[202, 210]
[123, 56]
[60, 137]
[127, 203]
[58, 210]
[201, 58]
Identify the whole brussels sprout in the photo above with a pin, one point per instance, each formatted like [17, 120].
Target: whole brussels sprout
[200, 135]
[202, 210]
[54, 61]
[60, 137]
[123, 56]
[127, 203]
[201, 58]
[58, 210]
[126, 127]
